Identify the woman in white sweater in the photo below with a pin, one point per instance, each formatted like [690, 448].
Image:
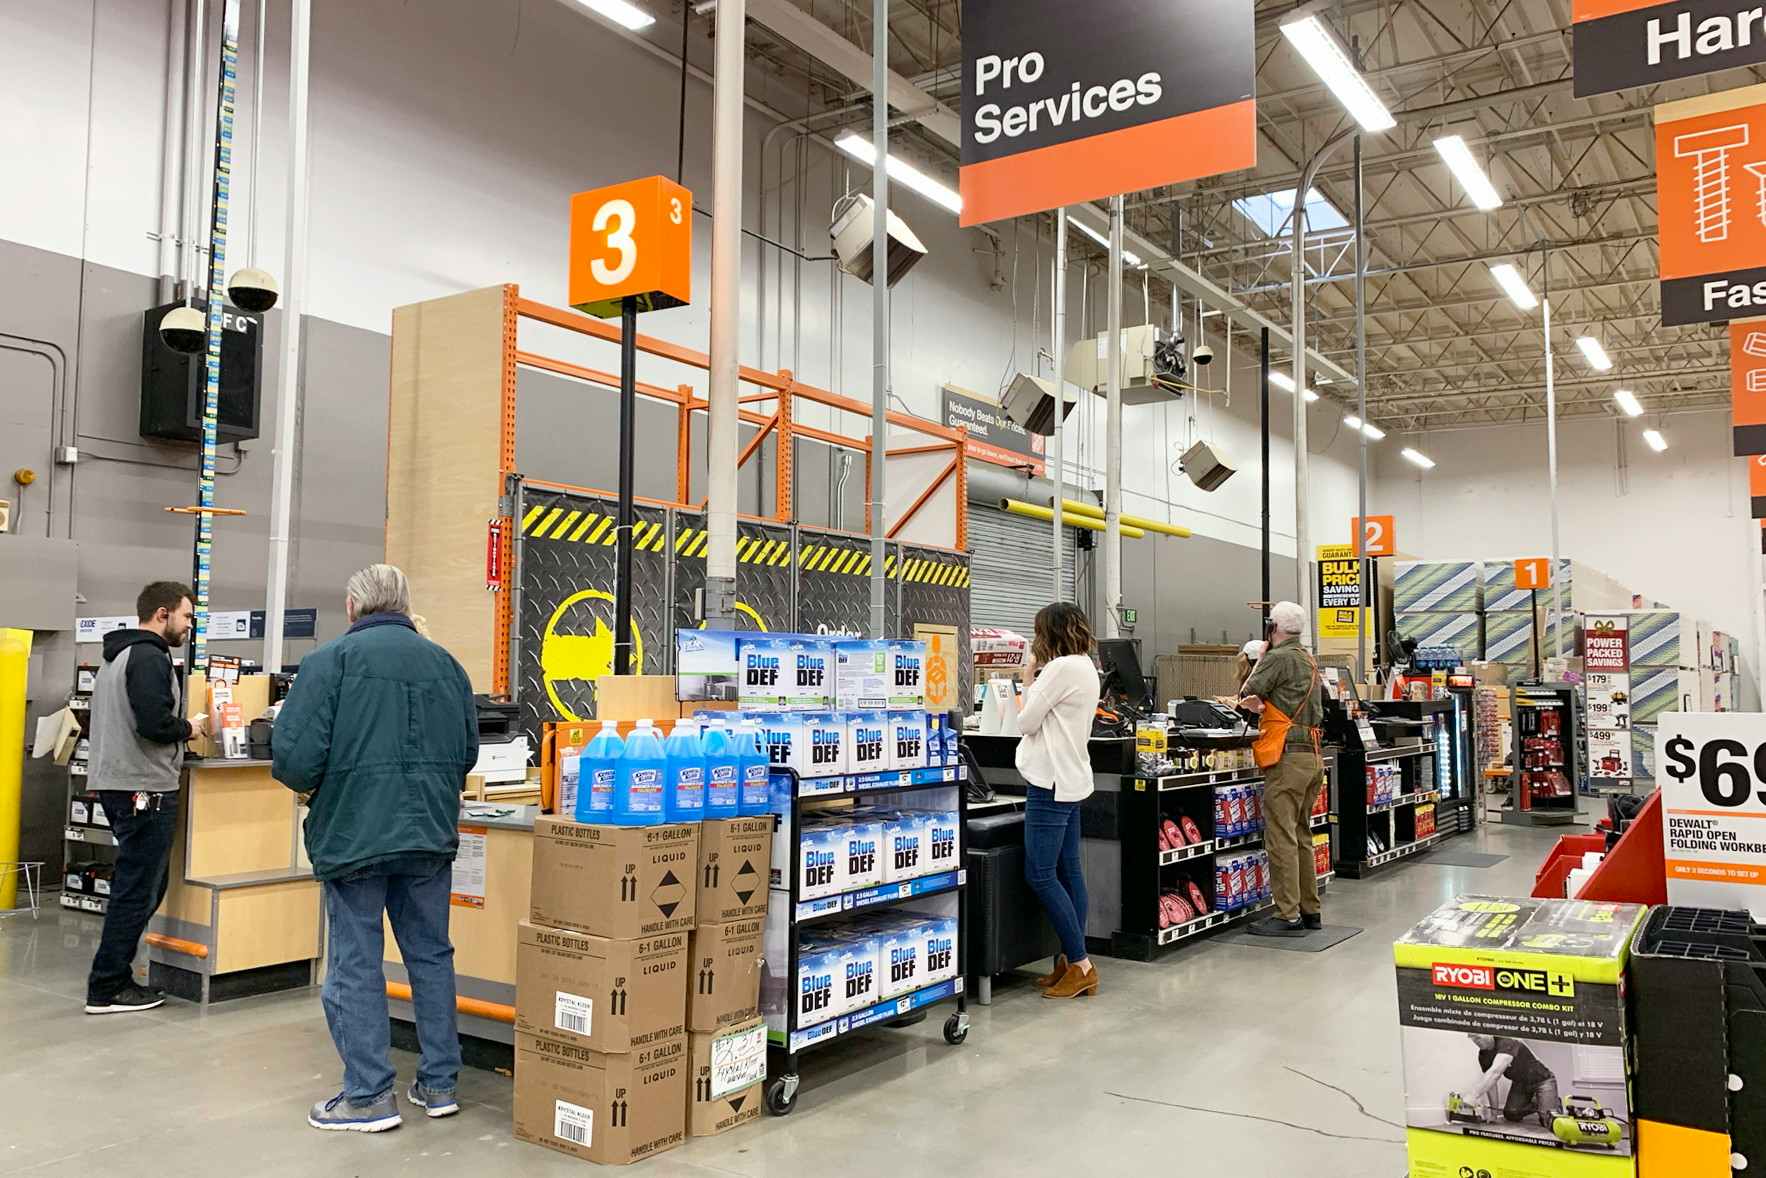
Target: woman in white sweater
[1060, 701]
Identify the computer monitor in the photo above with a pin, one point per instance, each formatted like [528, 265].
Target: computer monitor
[1119, 661]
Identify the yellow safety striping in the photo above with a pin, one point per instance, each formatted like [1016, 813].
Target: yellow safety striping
[532, 514]
[539, 532]
[864, 567]
[683, 538]
[700, 545]
[588, 522]
[742, 547]
[565, 524]
[594, 537]
[784, 556]
[806, 557]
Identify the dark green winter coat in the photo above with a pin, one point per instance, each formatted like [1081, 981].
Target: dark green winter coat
[380, 728]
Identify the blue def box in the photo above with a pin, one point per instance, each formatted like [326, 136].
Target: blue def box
[939, 961]
[868, 744]
[907, 740]
[907, 674]
[826, 738]
[907, 846]
[863, 675]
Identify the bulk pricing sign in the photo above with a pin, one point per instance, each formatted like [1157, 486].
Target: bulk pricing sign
[1339, 592]
[1066, 101]
[1712, 769]
[1711, 206]
[1625, 43]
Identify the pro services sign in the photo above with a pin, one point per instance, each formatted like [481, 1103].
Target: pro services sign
[1066, 101]
[1625, 43]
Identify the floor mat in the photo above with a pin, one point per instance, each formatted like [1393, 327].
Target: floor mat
[1459, 857]
[1316, 941]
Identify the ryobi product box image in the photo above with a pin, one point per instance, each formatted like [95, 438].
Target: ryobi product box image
[868, 746]
[612, 1109]
[608, 996]
[735, 856]
[863, 675]
[728, 1068]
[723, 973]
[907, 740]
[907, 674]
[1513, 1028]
[619, 882]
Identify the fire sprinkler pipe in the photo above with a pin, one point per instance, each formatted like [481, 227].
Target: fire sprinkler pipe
[1046, 514]
[1060, 351]
[1079, 507]
[1113, 432]
[879, 504]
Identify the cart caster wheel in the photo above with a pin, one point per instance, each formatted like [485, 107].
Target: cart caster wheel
[956, 1029]
[781, 1095]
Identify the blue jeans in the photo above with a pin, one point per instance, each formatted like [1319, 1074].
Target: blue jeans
[1052, 866]
[137, 885]
[355, 982]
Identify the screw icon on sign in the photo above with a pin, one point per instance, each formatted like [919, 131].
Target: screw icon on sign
[1758, 172]
[1710, 176]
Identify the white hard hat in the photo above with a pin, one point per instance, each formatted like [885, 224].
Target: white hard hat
[1253, 649]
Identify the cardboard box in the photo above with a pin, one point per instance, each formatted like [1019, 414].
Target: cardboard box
[1540, 983]
[608, 996]
[612, 1109]
[618, 882]
[723, 973]
[735, 858]
[728, 1069]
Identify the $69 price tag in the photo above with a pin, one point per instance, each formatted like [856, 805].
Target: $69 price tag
[1728, 772]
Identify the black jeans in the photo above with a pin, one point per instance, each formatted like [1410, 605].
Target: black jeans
[144, 844]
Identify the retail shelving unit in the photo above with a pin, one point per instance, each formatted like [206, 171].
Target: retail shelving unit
[1393, 823]
[85, 827]
[915, 786]
[1545, 755]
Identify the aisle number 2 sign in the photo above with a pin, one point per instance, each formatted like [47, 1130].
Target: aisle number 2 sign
[631, 240]
[1379, 534]
[1533, 572]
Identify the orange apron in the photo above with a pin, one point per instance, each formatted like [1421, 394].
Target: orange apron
[1273, 725]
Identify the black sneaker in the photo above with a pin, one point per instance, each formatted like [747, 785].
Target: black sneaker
[1312, 920]
[1275, 926]
[128, 1000]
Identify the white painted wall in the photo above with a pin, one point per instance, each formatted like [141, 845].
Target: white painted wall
[1674, 526]
[446, 141]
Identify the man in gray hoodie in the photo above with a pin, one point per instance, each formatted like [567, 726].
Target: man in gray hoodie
[137, 729]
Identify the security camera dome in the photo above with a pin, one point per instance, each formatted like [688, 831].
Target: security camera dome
[184, 330]
[1203, 355]
[252, 289]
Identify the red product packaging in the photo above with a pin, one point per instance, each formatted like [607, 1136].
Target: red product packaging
[1197, 900]
[1171, 835]
[1191, 832]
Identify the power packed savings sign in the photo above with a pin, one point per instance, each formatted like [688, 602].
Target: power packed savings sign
[1066, 101]
[1625, 43]
[1712, 771]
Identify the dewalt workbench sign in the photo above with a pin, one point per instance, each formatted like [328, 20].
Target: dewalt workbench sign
[1339, 591]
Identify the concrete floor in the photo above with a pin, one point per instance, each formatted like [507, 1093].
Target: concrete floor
[1219, 1059]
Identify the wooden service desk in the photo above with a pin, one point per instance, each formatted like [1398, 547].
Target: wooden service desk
[492, 878]
[242, 910]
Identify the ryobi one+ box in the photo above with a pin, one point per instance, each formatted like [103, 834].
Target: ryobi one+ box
[1512, 1015]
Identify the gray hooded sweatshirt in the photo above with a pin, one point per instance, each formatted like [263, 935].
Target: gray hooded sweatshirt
[137, 726]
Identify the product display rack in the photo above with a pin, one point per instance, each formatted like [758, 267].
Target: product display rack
[1394, 822]
[81, 831]
[1547, 733]
[1146, 871]
[783, 1079]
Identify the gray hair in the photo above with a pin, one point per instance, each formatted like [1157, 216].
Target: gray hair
[379, 589]
[1287, 617]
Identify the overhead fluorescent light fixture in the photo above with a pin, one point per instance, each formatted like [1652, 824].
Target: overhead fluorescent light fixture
[1129, 257]
[1628, 402]
[1417, 458]
[1595, 354]
[1272, 212]
[1655, 439]
[1372, 432]
[1513, 285]
[1465, 169]
[628, 16]
[1285, 383]
[1328, 59]
[902, 173]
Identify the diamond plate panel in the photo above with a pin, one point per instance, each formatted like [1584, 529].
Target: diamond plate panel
[935, 590]
[567, 563]
[763, 573]
[834, 584]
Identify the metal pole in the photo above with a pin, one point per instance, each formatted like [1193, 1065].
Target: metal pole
[1551, 461]
[1060, 350]
[1263, 423]
[1364, 563]
[628, 429]
[194, 139]
[257, 135]
[1113, 433]
[294, 283]
[726, 313]
[879, 311]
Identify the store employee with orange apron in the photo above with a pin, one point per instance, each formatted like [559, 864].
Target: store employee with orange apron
[1284, 692]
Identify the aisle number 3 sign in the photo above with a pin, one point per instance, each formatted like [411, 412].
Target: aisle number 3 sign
[631, 240]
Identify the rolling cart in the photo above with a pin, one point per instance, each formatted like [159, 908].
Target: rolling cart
[789, 914]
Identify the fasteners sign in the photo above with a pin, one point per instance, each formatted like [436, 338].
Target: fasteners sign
[1066, 101]
[1625, 43]
[1711, 205]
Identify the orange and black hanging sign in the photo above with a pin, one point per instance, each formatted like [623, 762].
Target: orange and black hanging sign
[1066, 101]
[1711, 206]
[1747, 386]
[1624, 43]
[1757, 485]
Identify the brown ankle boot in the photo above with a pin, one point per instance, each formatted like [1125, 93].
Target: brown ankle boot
[1075, 983]
[1049, 979]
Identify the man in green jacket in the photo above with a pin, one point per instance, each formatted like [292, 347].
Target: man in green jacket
[379, 732]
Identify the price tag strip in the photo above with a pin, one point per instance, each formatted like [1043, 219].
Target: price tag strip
[1712, 769]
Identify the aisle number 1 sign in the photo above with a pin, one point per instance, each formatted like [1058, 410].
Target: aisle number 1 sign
[631, 240]
[1533, 572]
